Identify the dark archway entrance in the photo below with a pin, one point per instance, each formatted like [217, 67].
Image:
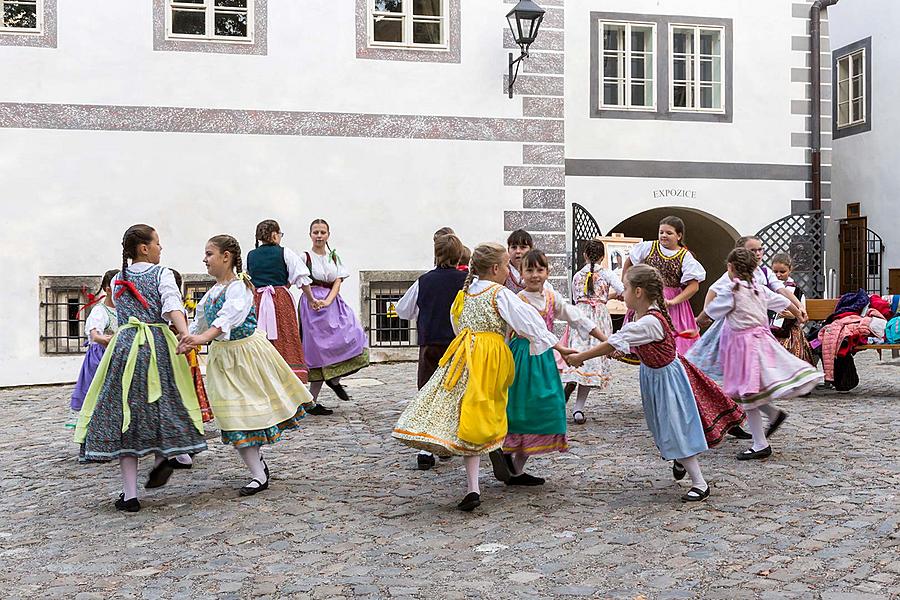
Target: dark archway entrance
[708, 237]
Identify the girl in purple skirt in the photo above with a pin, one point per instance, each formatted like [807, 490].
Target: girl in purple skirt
[333, 340]
[99, 328]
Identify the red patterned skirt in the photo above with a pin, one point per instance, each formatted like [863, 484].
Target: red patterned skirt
[288, 343]
[205, 410]
[718, 412]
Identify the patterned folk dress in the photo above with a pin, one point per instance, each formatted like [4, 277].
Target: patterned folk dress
[462, 408]
[671, 269]
[142, 399]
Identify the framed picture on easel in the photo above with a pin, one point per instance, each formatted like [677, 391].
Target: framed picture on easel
[616, 248]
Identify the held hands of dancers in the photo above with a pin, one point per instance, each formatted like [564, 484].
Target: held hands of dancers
[188, 342]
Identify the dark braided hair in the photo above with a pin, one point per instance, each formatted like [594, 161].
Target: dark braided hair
[226, 243]
[327, 226]
[265, 230]
[594, 251]
[134, 237]
[744, 263]
[648, 279]
[107, 280]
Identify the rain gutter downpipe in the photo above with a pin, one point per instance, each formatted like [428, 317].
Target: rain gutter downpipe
[815, 66]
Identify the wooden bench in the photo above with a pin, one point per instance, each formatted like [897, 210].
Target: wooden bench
[820, 309]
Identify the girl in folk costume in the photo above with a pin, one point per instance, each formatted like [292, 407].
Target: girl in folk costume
[254, 393]
[428, 302]
[142, 400]
[193, 359]
[518, 244]
[273, 269]
[99, 326]
[462, 408]
[670, 407]
[681, 274]
[536, 410]
[334, 340]
[592, 287]
[757, 369]
[787, 330]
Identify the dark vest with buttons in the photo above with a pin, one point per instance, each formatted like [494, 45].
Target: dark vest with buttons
[266, 266]
[437, 290]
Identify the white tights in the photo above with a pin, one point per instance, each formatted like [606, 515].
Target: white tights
[692, 466]
[128, 465]
[581, 395]
[252, 457]
[314, 388]
[472, 464]
[754, 418]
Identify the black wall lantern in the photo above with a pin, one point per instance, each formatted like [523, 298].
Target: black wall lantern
[524, 21]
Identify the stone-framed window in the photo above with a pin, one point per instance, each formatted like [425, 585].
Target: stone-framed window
[28, 23]
[379, 293]
[852, 81]
[408, 30]
[684, 67]
[219, 26]
[61, 317]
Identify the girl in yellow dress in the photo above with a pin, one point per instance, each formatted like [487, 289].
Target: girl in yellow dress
[462, 408]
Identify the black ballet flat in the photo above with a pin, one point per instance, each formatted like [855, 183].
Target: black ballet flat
[470, 502]
[751, 454]
[159, 475]
[501, 467]
[424, 461]
[250, 491]
[678, 470]
[173, 462]
[319, 411]
[132, 505]
[696, 495]
[338, 390]
[776, 423]
[739, 433]
[526, 480]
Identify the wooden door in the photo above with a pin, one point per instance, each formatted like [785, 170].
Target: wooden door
[894, 281]
[854, 254]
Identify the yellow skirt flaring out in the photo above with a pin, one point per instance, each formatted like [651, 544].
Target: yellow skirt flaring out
[462, 408]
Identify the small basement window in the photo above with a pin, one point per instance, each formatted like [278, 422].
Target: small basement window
[386, 328]
[61, 317]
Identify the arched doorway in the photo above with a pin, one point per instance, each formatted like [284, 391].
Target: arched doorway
[707, 236]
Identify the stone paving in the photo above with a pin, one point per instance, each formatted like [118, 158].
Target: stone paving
[347, 514]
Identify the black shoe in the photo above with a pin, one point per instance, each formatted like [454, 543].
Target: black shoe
[159, 475]
[319, 411]
[424, 461]
[525, 479]
[338, 389]
[470, 502]
[696, 495]
[570, 387]
[173, 462]
[751, 454]
[775, 423]
[501, 467]
[131, 505]
[678, 470]
[739, 433]
[249, 491]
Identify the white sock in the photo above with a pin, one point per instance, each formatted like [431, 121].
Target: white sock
[770, 411]
[425, 453]
[518, 460]
[581, 395]
[314, 388]
[185, 459]
[754, 417]
[252, 458]
[128, 465]
[472, 464]
[692, 466]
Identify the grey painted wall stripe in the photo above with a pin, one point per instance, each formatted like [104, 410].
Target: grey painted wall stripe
[275, 122]
[579, 167]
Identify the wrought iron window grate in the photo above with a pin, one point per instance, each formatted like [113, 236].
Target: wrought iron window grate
[801, 236]
[386, 328]
[63, 321]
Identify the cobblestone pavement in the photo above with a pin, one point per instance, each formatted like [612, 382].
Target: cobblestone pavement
[348, 515]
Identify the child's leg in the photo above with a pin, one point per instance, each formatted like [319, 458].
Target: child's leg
[518, 461]
[128, 465]
[314, 388]
[754, 418]
[185, 459]
[253, 459]
[692, 465]
[581, 397]
[472, 464]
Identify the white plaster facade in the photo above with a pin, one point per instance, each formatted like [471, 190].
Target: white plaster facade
[865, 169]
[386, 150]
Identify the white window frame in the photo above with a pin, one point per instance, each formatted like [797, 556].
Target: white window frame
[695, 71]
[407, 19]
[210, 10]
[626, 67]
[39, 30]
[851, 59]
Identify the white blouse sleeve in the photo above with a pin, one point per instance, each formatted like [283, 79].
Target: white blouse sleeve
[342, 271]
[98, 320]
[238, 302]
[722, 304]
[645, 330]
[772, 282]
[525, 320]
[613, 280]
[407, 307]
[639, 252]
[199, 324]
[567, 312]
[774, 301]
[691, 269]
[169, 292]
[298, 274]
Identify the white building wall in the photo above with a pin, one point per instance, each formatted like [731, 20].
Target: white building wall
[865, 164]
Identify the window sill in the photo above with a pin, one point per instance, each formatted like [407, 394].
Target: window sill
[425, 47]
[205, 40]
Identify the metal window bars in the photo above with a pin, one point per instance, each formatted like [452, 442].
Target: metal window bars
[63, 324]
[386, 328]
